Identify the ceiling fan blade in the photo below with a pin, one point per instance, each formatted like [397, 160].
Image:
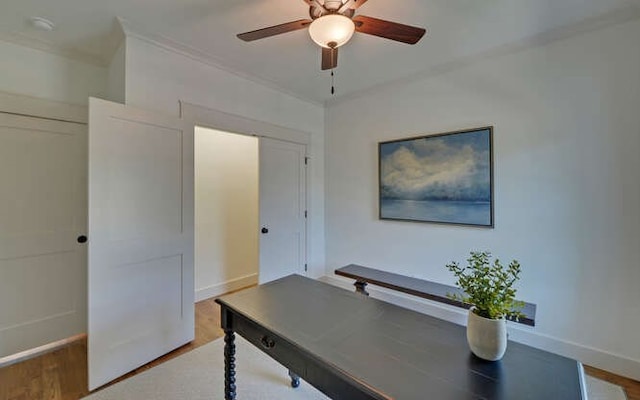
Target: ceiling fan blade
[352, 4]
[389, 30]
[329, 58]
[274, 30]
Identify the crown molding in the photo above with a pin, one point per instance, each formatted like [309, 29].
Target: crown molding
[204, 58]
[23, 40]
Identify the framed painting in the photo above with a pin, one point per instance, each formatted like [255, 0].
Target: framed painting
[445, 178]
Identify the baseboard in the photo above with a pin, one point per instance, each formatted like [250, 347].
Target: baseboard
[226, 287]
[601, 359]
[40, 350]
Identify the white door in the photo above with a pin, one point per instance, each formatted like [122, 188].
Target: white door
[282, 209]
[141, 297]
[42, 212]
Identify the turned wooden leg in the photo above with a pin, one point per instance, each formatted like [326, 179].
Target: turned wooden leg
[229, 365]
[295, 379]
[361, 287]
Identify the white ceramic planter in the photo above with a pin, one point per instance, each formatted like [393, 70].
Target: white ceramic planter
[487, 338]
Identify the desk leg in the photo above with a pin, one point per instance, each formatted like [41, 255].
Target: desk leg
[361, 287]
[295, 379]
[229, 365]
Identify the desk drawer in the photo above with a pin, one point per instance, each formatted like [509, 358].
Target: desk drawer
[276, 347]
[326, 379]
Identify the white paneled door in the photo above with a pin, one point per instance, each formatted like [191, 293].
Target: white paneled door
[42, 212]
[141, 294]
[282, 209]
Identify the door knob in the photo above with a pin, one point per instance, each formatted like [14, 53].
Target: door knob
[82, 239]
[264, 230]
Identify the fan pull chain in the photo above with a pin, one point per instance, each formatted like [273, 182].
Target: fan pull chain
[333, 89]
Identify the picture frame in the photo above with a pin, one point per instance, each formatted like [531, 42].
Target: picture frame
[444, 178]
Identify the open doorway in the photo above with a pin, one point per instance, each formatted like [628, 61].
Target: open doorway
[250, 210]
[226, 211]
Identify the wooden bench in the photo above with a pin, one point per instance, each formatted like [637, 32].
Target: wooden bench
[417, 287]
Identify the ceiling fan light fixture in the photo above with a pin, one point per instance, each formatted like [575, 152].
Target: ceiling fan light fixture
[331, 31]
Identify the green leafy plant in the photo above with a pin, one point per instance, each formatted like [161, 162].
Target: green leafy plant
[488, 287]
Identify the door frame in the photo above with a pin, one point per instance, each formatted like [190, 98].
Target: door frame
[196, 115]
[41, 108]
[223, 121]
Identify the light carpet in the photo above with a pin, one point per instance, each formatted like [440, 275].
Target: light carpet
[199, 374]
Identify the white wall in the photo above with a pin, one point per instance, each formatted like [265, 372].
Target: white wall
[226, 212]
[40, 74]
[566, 145]
[158, 78]
[116, 74]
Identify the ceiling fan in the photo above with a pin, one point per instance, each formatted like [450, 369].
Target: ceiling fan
[333, 23]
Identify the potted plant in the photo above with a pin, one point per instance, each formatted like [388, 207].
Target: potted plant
[488, 288]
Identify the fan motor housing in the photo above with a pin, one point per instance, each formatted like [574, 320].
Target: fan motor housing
[317, 12]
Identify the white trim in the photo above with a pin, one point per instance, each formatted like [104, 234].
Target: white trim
[223, 121]
[40, 350]
[226, 287]
[41, 108]
[583, 382]
[616, 363]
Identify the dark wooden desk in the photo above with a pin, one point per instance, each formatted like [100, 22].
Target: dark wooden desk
[355, 347]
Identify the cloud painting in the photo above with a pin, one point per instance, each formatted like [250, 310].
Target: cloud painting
[439, 175]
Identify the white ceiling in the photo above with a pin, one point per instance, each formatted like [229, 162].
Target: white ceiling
[458, 31]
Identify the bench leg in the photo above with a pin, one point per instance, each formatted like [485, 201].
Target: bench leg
[295, 379]
[361, 287]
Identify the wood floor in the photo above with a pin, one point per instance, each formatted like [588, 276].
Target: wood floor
[62, 373]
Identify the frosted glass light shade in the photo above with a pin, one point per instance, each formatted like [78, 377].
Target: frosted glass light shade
[330, 29]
